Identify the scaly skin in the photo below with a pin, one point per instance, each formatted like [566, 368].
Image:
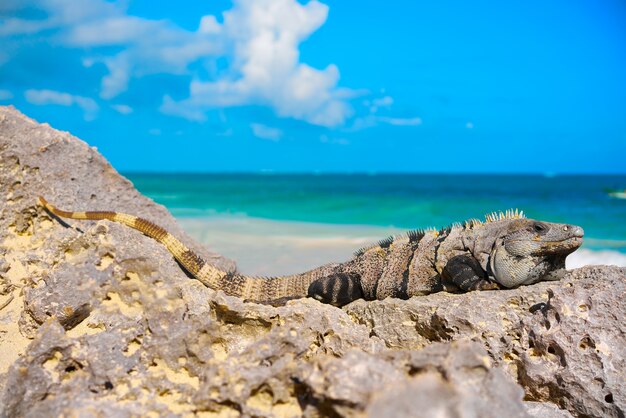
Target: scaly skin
[505, 251]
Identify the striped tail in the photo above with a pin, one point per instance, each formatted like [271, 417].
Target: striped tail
[272, 291]
[204, 272]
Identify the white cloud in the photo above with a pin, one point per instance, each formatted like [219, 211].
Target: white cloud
[373, 120]
[14, 26]
[45, 97]
[400, 121]
[5, 95]
[122, 108]
[116, 81]
[143, 46]
[266, 132]
[182, 109]
[60, 14]
[265, 35]
[112, 30]
[383, 102]
[259, 39]
[151, 48]
[209, 24]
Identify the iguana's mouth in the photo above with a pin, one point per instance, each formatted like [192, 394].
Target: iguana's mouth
[567, 245]
[577, 241]
[572, 239]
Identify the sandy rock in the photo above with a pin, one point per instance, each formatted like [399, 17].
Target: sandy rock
[96, 311]
[97, 319]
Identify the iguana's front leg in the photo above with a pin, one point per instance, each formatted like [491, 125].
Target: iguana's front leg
[337, 289]
[465, 272]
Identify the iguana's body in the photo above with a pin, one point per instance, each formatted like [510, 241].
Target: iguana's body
[506, 250]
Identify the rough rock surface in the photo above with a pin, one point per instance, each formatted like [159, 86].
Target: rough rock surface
[96, 319]
[564, 342]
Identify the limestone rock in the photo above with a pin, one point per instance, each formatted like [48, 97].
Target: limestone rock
[564, 342]
[97, 319]
[444, 380]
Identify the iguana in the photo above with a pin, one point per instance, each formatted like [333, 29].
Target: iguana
[504, 251]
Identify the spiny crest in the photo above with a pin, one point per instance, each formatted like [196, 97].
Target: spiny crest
[413, 236]
[472, 223]
[365, 249]
[383, 243]
[416, 234]
[446, 230]
[501, 216]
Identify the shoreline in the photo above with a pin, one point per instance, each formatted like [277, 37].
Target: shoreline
[270, 247]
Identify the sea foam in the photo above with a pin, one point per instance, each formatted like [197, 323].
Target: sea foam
[585, 257]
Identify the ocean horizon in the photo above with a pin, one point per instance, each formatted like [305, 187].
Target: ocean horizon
[277, 223]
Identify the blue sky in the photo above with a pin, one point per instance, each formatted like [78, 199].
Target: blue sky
[331, 86]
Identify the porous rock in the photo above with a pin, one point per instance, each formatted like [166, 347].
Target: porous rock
[95, 312]
[97, 319]
[564, 342]
[447, 380]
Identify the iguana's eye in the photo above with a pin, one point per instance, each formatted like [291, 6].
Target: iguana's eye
[540, 228]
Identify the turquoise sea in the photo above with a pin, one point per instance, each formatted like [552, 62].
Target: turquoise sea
[359, 207]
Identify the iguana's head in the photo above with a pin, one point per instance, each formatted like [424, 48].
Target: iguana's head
[527, 251]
